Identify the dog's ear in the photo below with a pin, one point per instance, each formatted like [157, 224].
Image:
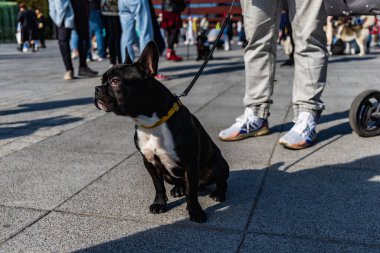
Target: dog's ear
[127, 58]
[149, 58]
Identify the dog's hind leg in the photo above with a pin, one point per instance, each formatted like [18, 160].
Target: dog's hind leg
[159, 203]
[221, 180]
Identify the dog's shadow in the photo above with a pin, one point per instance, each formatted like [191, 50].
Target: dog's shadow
[291, 200]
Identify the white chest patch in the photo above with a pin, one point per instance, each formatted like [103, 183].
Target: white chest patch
[158, 141]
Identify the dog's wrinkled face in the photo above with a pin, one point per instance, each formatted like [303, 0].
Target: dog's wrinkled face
[125, 88]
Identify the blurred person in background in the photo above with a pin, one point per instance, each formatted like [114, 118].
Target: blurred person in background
[82, 27]
[171, 23]
[41, 27]
[28, 27]
[134, 14]
[204, 24]
[110, 10]
[96, 28]
[228, 33]
[63, 15]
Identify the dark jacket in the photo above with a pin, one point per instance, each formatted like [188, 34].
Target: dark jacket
[27, 20]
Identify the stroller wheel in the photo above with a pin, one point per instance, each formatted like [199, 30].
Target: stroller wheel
[365, 113]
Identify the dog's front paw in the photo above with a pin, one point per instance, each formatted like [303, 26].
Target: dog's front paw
[157, 208]
[197, 215]
[218, 196]
[177, 191]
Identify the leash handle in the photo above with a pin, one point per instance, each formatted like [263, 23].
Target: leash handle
[226, 20]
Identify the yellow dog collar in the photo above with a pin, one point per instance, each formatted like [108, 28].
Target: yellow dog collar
[176, 106]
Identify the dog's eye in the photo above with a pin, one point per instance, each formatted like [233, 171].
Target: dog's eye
[114, 81]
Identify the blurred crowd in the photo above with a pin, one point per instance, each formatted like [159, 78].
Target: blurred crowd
[110, 30]
[30, 29]
[345, 35]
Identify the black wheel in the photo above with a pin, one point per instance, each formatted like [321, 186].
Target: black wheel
[365, 113]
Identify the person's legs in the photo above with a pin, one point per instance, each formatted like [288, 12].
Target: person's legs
[81, 20]
[64, 35]
[261, 27]
[111, 39]
[114, 39]
[144, 21]
[127, 13]
[261, 23]
[117, 32]
[82, 49]
[74, 44]
[96, 27]
[24, 38]
[172, 35]
[42, 37]
[310, 56]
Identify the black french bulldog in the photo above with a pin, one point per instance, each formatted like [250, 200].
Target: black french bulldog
[174, 145]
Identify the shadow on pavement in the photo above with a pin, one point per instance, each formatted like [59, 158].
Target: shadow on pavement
[350, 58]
[24, 128]
[329, 204]
[43, 106]
[225, 68]
[199, 64]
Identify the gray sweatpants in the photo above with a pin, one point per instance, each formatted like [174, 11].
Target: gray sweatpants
[261, 21]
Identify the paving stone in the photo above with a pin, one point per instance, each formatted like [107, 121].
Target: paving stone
[106, 134]
[128, 192]
[272, 243]
[320, 202]
[321, 198]
[43, 179]
[60, 232]
[13, 220]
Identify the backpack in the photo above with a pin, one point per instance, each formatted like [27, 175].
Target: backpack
[352, 7]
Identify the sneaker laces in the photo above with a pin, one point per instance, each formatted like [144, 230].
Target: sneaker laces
[248, 118]
[304, 125]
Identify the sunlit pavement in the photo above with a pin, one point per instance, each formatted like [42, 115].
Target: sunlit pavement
[71, 179]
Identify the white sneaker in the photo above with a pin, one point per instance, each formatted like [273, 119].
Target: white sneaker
[247, 125]
[303, 133]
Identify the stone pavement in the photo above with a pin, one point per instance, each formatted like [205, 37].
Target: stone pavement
[71, 179]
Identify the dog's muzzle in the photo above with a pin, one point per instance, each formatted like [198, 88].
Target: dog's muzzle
[102, 101]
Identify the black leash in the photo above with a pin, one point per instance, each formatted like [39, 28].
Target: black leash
[226, 20]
